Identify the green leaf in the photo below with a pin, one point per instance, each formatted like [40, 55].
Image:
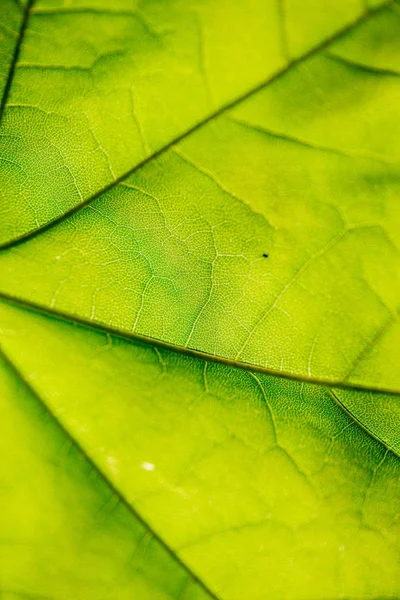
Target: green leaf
[260, 237]
[129, 81]
[264, 487]
[199, 299]
[65, 532]
[379, 414]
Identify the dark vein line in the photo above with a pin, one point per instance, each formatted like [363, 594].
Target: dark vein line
[216, 181]
[73, 319]
[121, 497]
[15, 58]
[348, 153]
[222, 110]
[357, 421]
[364, 68]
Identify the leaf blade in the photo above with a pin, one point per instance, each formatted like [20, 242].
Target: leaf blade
[74, 110]
[60, 521]
[268, 276]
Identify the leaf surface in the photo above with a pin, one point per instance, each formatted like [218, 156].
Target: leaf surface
[199, 300]
[131, 79]
[263, 486]
[260, 238]
[64, 531]
[378, 413]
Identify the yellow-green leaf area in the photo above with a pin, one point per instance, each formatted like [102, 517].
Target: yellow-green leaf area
[261, 485]
[133, 77]
[65, 532]
[11, 19]
[199, 300]
[379, 414]
[268, 238]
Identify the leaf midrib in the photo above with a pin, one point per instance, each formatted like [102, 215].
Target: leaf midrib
[144, 339]
[222, 110]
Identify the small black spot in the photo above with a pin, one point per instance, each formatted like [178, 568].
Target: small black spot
[265, 255]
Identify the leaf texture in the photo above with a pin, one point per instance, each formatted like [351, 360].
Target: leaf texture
[263, 486]
[65, 532]
[379, 414]
[260, 238]
[12, 22]
[132, 78]
[199, 300]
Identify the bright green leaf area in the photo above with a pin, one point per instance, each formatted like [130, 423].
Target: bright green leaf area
[199, 300]
[64, 532]
[263, 486]
[268, 237]
[98, 87]
[379, 414]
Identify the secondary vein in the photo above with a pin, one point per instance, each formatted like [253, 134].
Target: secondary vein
[356, 420]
